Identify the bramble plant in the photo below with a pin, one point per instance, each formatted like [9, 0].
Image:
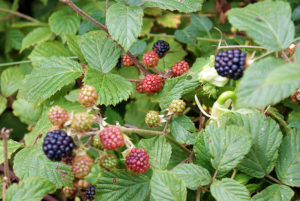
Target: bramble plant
[161, 100]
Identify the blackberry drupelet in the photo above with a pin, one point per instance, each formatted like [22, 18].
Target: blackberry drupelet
[90, 192]
[161, 47]
[57, 145]
[230, 63]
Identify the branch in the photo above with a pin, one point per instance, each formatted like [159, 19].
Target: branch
[273, 179]
[198, 193]
[167, 124]
[16, 13]
[285, 57]
[241, 46]
[11, 174]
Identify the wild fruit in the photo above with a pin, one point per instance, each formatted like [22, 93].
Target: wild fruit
[111, 138]
[108, 161]
[58, 145]
[90, 192]
[152, 83]
[81, 166]
[161, 47]
[70, 192]
[150, 59]
[83, 184]
[231, 63]
[137, 160]
[152, 119]
[177, 106]
[180, 68]
[58, 115]
[127, 61]
[82, 122]
[88, 96]
[139, 87]
[296, 97]
[96, 142]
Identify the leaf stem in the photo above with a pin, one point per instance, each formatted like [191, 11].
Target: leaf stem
[16, 13]
[262, 56]
[285, 57]
[183, 148]
[241, 46]
[168, 119]
[233, 173]
[273, 179]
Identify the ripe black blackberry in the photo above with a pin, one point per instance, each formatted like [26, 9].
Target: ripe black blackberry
[58, 145]
[231, 63]
[90, 192]
[161, 47]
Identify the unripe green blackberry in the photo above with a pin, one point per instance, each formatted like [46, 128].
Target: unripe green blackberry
[81, 166]
[88, 96]
[177, 106]
[108, 161]
[96, 142]
[70, 192]
[82, 122]
[152, 119]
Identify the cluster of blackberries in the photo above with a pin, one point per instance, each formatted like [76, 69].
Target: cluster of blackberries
[161, 47]
[58, 145]
[230, 63]
[90, 192]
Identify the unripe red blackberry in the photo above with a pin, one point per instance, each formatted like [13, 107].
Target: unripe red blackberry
[177, 106]
[57, 115]
[108, 161]
[296, 97]
[90, 192]
[161, 47]
[231, 63]
[180, 68]
[137, 160]
[111, 138]
[81, 166]
[139, 87]
[58, 145]
[82, 122]
[150, 59]
[127, 61]
[88, 96]
[70, 192]
[152, 119]
[152, 83]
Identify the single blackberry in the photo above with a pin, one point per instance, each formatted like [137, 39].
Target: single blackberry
[150, 59]
[139, 87]
[152, 119]
[82, 122]
[231, 63]
[70, 192]
[177, 106]
[108, 161]
[127, 61]
[180, 68]
[58, 145]
[81, 166]
[137, 160]
[152, 83]
[90, 192]
[111, 138]
[161, 47]
[58, 115]
[88, 96]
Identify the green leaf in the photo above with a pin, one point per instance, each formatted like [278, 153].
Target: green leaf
[268, 82]
[36, 36]
[62, 22]
[11, 80]
[169, 20]
[14, 39]
[288, 164]
[51, 75]
[124, 23]
[111, 88]
[159, 151]
[49, 49]
[101, 53]
[32, 162]
[274, 192]
[12, 146]
[185, 6]
[297, 54]
[120, 185]
[73, 42]
[113, 116]
[202, 23]
[228, 146]
[229, 189]
[188, 35]
[192, 175]
[261, 22]
[30, 189]
[3, 103]
[138, 47]
[166, 186]
[181, 129]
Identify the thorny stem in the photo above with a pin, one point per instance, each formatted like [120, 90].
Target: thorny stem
[273, 179]
[16, 13]
[214, 177]
[262, 56]
[241, 46]
[285, 57]
[168, 119]
[198, 193]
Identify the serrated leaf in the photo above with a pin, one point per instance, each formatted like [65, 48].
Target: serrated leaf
[165, 186]
[267, 82]
[32, 162]
[274, 192]
[12, 146]
[159, 151]
[228, 146]
[138, 47]
[181, 129]
[131, 20]
[202, 23]
[72, 96]
[192, 175]
[100, 52]
[36, 36]
[169, 20]
[51, 75]
[288, 164]
[49, 49]
[3, 103]
[120, 185]
[62, 22]
[13, 39]
[87, 25]
[11, 80]
[111, 88]
[188, 35]
[73, 42]
[113, 116]
[185, 6]
[147, 25]
[26, 111]
[229, 189]
[30, 189]
[261, 22]
[177, 156]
